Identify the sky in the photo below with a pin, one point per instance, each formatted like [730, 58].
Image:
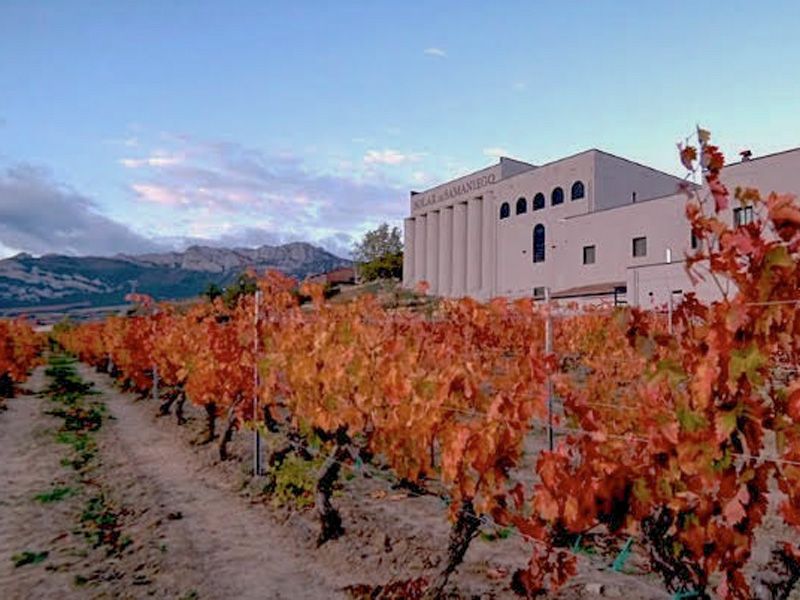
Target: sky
[145, 126]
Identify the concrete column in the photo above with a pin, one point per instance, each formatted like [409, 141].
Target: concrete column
[445, 250]
[432, 257]
[474, 243]
[488, 273]
[458, 286]
[409, 229]
[420, 232]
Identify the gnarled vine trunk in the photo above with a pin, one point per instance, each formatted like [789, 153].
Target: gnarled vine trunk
[179, 408]
[211, 421]
[678, 576]
[231, 422]
[329, 518]
[462, 533]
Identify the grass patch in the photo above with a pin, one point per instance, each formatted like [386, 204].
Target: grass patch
[29, 558]
[496, 534]
[55, 495]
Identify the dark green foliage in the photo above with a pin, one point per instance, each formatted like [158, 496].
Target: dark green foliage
[245, 285]
[388, 266]
[212, 292]
[101, 526]
[29, 558]
[379, 254]
[55, 495]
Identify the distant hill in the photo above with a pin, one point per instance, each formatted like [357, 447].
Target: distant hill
[55, 279]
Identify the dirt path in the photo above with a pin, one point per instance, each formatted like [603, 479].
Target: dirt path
[30, 465]
[218, 540]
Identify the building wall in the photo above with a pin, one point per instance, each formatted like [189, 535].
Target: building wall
[619, 179]
[462, 247]
[517, 274]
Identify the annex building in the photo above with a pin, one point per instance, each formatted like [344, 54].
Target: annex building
[588, 226]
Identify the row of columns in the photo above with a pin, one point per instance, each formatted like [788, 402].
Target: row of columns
[450, 249]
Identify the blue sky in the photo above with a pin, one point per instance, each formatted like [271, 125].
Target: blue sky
[127, 126]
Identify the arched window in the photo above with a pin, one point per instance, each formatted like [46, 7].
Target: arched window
[538, 243]
[522, 206]
[505, 210]
[557, 197]
[538, 201]
[578, 190]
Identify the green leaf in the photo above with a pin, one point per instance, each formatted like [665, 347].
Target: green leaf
[691, 421]
[746, 361]
[640, 490]
[778, 256]
[726, 423]
[671, 370]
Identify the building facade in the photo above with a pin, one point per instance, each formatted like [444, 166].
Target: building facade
[586, 226]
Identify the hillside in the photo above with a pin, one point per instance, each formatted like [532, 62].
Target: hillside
[54, 279]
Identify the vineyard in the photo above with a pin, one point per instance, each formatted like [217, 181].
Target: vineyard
[20, 350]
[607, 428]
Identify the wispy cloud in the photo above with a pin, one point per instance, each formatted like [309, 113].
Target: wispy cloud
[495, 152]
[434, 51]
[389, 157]
[150, 161]
[219, 189]
[157, 194]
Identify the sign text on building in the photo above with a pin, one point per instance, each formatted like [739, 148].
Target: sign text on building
[451, 191]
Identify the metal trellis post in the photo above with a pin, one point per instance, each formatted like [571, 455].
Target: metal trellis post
[548, 348]
[257, 436]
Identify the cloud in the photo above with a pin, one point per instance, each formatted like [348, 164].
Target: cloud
[224, 191]
[40, 216]
[434, 51]
[156, 194]
[495, 152]
[186, 191]
[150, 161]
[388, 157]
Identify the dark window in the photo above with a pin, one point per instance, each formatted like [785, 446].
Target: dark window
[522, 206]
[557, 197]
[742, 215]
[538, 293]
[577, 190]
[639, 246]
[505, 210]
[538, 243]
[588, 255]
[695, 242]
[538, 201]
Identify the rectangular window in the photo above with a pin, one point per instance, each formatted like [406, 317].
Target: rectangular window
[639, 246]
[588, 255]
[538, 293]
[695, 242]
[742, 215]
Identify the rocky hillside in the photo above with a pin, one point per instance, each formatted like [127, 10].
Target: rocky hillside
[55, 279]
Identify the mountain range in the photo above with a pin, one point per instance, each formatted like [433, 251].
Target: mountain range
[55, 279]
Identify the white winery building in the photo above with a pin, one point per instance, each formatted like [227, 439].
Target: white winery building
[591, 225]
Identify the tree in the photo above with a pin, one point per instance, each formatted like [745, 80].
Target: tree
[244, 285]
[212, 292]
[379, 254]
